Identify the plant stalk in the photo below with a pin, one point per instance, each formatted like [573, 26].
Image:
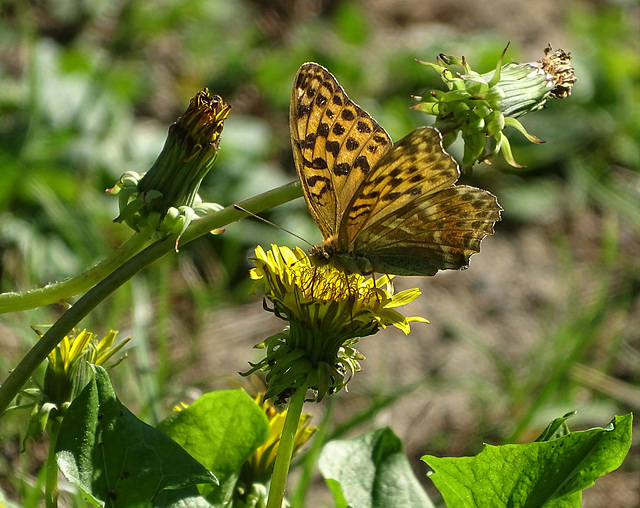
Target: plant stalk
[51, 474]
[19, 376]
[285, 448]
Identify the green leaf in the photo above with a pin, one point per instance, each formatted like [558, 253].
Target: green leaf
[221, 430]
[371, 471]
[183, 498]
[116, 459]
[527, 475]
[556, 429]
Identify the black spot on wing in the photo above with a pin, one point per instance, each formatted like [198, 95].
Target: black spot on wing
[317, 163]
[303, 110]
[362, 163]
[341, 169]
[348, 115]
[309, 141]
[313, 180]
[333, 147]
[351, 144]
[328, 85]
[380, 140]
[391, 196]
[363, 127]
[323, 130]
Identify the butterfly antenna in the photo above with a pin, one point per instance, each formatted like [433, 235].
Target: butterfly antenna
[238, 207]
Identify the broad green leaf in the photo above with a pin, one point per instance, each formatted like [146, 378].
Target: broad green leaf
[527, 475]
[371, 471]
[183, 498]
[221, 430]
[116, 459]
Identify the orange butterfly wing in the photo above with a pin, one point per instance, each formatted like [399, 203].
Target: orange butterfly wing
[335, 143]
[388, 208]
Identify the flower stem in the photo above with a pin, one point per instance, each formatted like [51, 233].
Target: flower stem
[19, 376]
[285, 448]
[51, 483]
[13, 302]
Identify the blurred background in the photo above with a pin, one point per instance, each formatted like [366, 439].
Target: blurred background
[545, 321]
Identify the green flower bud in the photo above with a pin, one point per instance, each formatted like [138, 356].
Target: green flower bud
[189, 152]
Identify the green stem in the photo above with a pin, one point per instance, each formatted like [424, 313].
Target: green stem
[51, 483]
[285, 448]
[19, 376]
[310, 460]
[13, 302]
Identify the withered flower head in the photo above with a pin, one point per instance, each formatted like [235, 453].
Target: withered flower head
[480, 106]
[173, 181]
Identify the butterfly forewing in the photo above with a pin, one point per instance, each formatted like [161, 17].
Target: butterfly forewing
[335, 143]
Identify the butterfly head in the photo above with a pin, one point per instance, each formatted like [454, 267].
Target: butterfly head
[321, 255]
[329, 253]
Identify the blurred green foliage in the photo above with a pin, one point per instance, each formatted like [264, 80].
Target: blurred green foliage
[88, 90]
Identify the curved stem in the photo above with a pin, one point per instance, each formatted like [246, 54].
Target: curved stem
[19, 376]
[13, 302]
[285, 448]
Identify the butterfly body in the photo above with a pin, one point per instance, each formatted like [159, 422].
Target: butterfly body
[329, 252]
[381, 207]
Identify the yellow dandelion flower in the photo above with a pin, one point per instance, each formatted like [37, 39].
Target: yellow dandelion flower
[69, 368]
[259, 466]
[328, 312]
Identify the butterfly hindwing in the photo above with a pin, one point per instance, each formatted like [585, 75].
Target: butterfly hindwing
[335, 143]
[409, 218]
[436, 233]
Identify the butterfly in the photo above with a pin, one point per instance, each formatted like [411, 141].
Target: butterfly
[381, 207]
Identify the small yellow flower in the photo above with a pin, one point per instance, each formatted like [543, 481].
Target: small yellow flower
[328, 312]
[180, 406]
[68, 372]
[69, 369]
[259, 466]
